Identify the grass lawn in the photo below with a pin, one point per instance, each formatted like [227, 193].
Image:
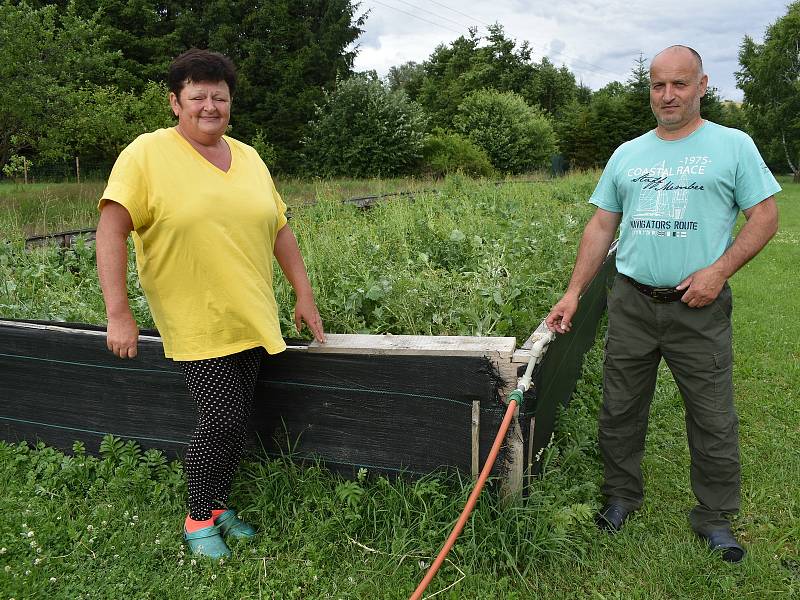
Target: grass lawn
[82, 527]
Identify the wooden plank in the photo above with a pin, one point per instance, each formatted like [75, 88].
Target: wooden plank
[476, 430]
[90, 332]
[513, 469]
[531, 431]
[441, 345]
[66, 329]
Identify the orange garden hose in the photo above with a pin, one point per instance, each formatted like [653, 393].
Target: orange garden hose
[513, 397]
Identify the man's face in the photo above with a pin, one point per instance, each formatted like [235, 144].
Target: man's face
[676, 86]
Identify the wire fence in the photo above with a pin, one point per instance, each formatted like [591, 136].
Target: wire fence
[69, 171]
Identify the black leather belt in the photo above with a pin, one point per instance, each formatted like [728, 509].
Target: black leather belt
[662, 294]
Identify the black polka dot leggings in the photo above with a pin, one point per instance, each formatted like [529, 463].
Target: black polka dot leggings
[223, 389]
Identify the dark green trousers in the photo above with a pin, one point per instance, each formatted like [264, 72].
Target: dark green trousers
[696, 345]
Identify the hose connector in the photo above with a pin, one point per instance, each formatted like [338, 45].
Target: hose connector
[515, 395]
[537, 351]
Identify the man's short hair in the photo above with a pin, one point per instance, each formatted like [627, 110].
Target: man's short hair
[694, 52]
[197, 65]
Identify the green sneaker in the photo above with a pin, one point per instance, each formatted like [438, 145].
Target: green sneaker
[207, 542]
[231, 525]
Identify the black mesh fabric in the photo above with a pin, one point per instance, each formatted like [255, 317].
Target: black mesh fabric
[387, 413]
[555, 377]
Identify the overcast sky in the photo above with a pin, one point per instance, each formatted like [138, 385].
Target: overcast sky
[597, 40]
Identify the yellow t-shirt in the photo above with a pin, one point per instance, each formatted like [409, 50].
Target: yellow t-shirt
[204, 243]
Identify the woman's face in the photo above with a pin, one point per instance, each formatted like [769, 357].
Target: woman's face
[203, 110]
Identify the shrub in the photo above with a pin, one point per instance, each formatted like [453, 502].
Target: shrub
[515, 136]
[445, 153]
[365, 130]
[265, 149]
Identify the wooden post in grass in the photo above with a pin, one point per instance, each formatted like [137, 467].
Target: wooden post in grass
[513, 468]
[78, 169]
[25, 169]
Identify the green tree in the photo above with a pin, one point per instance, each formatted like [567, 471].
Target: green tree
[770, 79]
[550, 87]
[496, 62]
[45, 55]
[103, 120]
[365, 130]
[286, 53]
[143, 32]
[284, 72]
[639, 115]
[407, 77]
[516, 136]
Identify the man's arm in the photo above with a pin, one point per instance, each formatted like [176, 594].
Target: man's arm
[112, 269]
[287, 252]
[703, 286]
[592, 251]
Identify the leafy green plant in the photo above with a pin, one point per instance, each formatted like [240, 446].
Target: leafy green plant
[16, 166]
[445, 153]
[365, 130]
[516, 137]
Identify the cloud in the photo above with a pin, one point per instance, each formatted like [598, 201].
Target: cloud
[597, 40]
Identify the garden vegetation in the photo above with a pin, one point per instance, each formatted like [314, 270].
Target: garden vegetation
[472, 257]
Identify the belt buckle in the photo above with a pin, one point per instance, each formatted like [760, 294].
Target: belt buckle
[660, 294]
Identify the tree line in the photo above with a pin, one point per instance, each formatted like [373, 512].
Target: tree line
[84, 77]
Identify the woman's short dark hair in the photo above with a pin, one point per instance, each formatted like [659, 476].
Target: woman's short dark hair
[200, 65]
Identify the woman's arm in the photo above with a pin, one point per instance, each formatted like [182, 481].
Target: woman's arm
[287, 252]
[112, 268]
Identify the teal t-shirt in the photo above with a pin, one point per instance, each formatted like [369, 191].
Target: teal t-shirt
[679, 199]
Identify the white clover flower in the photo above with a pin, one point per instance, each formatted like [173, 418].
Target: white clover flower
[89, 527]
[30, 533]
[116, 556]
[180, 563]
[2, 550]
[158, 541]
[33, 543]
[52, 580]
[104, 523]
[37, 561]
[193, 563]
[38, 551]
[8, 569]
[135, 517]
[28, 572]
[213, 577]
[222, 561]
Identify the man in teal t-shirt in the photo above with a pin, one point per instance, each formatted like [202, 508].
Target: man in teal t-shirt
[674, 193]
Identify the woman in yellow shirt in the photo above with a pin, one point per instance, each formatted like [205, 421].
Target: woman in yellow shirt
[206, 221]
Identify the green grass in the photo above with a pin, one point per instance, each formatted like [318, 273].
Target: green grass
[326, 538]
[474, 258]
[41, 208]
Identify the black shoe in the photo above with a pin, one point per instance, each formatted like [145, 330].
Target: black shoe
[722, 540]
[612, 517]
